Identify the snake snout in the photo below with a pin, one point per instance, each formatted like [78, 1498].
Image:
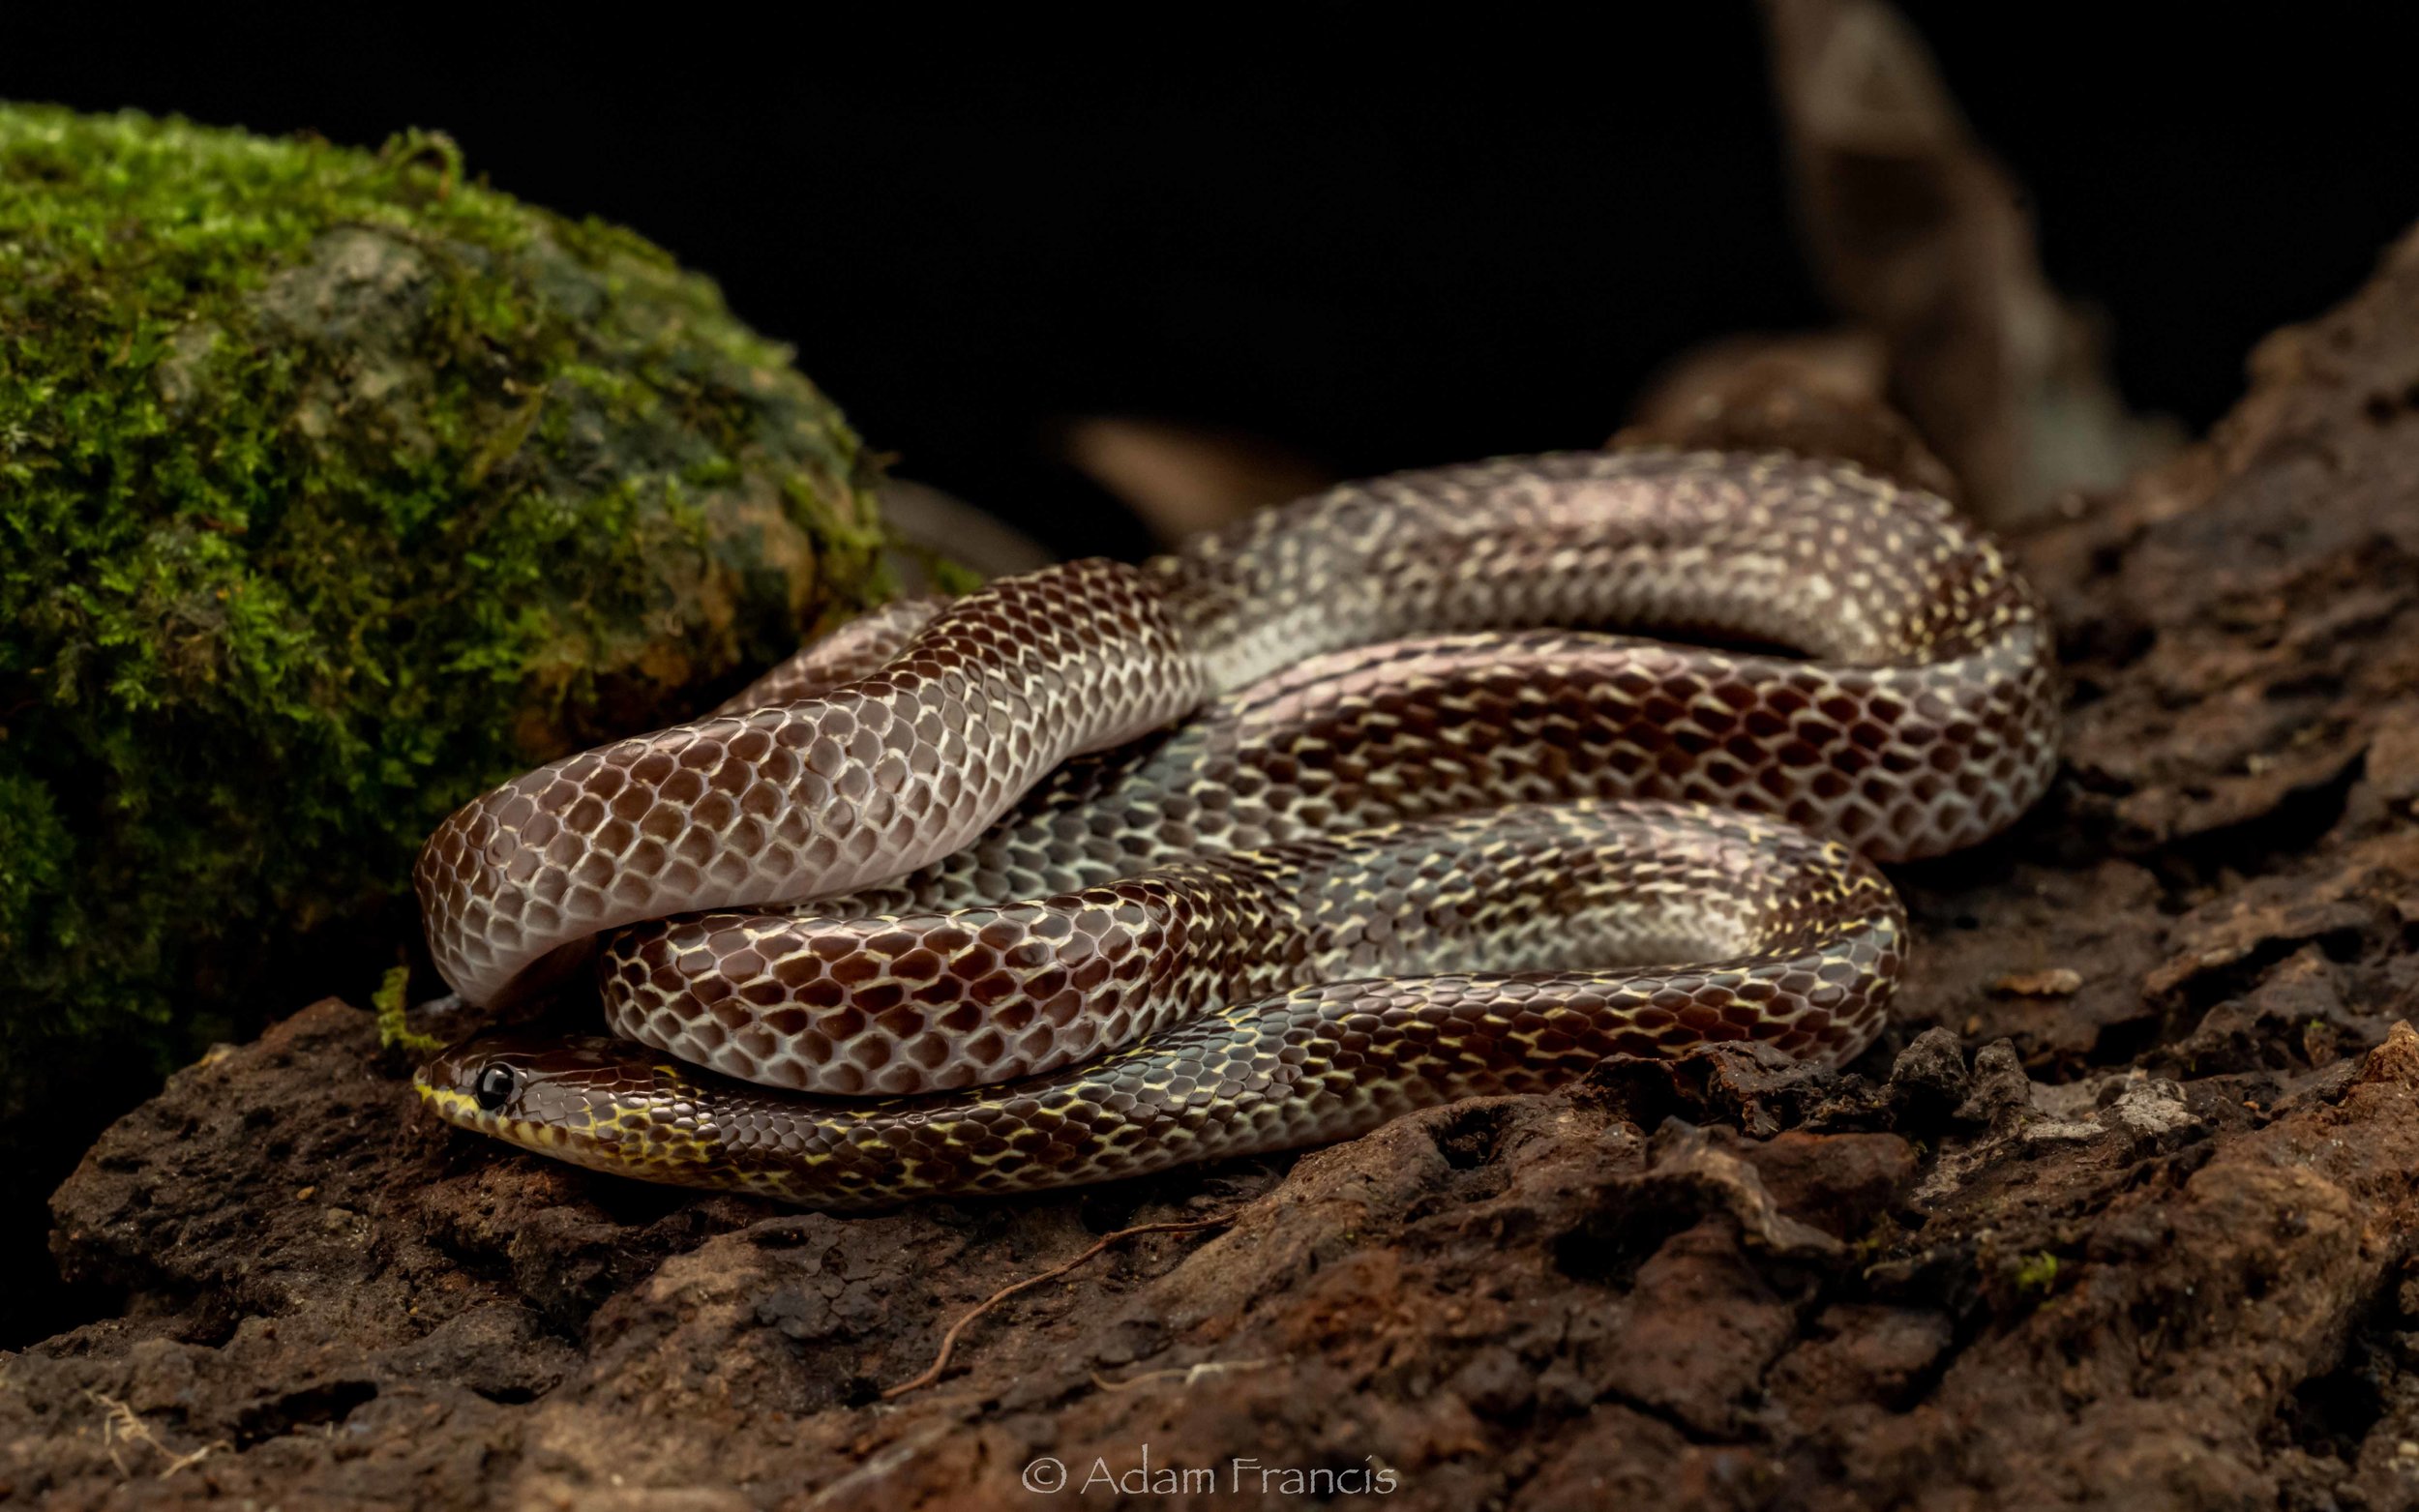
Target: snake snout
[497, 1079]
[596, 1102]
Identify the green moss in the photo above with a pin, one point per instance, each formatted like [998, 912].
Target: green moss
[393, 1006]
[2037, 1274]
[334, 488]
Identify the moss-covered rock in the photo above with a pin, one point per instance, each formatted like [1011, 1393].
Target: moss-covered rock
[334, 488]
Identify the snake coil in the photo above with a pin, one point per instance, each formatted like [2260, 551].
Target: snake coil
[1429, 832]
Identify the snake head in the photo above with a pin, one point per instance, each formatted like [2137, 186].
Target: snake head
[605, 1104]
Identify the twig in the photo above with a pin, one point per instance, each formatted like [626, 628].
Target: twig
[1187, 1374]
[120, 1425]
[949, 1339]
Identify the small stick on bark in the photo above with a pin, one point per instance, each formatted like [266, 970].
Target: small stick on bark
[949, 1339]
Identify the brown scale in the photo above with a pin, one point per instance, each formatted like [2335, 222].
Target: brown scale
[1924, 721]
[913, 1002]
[1561, 718]
[1806, 962]
[903, 765]
[859, 649]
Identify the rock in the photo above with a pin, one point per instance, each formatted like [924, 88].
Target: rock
[338, 488]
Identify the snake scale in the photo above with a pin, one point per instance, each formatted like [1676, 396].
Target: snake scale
[1350, 808]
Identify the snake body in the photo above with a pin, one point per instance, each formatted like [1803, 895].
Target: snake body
[1799, 940]
[1196, 899]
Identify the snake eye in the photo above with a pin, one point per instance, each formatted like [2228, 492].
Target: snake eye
[495, 1086]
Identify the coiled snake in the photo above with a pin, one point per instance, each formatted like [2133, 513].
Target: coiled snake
[1417, 842]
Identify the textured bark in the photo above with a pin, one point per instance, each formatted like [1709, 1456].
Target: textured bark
[2116, 1215]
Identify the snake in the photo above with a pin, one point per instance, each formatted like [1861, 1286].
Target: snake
[1370, 802]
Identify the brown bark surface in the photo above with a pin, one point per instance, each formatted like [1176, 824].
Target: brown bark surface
[2117, 1215]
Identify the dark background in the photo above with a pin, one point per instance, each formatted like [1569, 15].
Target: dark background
[1383, 243]
[1379, 243]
